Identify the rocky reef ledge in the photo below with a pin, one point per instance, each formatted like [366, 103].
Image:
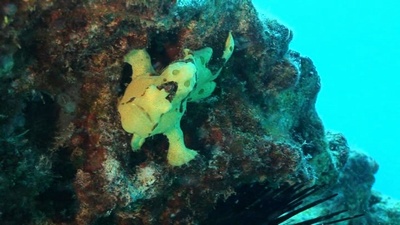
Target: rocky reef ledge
[66, 159]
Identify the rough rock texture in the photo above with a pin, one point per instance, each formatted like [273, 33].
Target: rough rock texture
[66, 160]
[356, 176]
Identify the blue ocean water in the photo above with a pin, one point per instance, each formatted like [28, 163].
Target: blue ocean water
[355, 46]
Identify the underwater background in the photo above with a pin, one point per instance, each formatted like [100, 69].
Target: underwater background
[182, 112]
[354, 46]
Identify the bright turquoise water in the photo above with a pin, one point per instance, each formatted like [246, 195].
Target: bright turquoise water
[355, 46]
